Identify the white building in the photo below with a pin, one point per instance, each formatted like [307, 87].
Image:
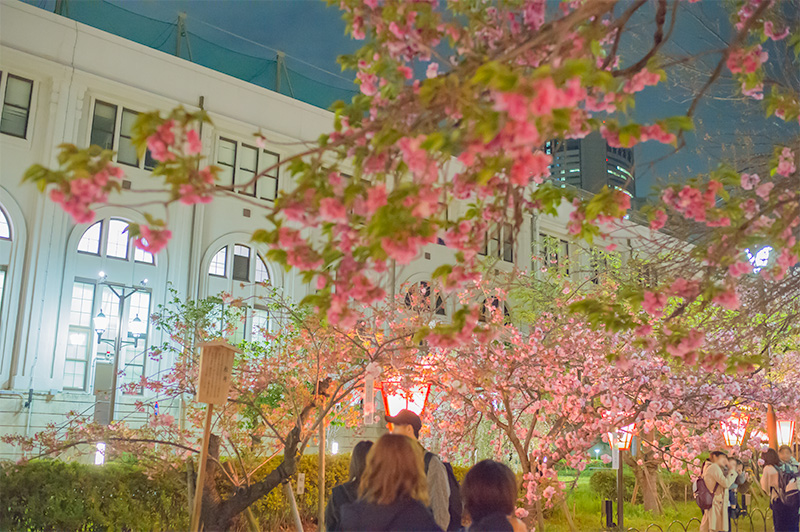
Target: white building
[61, 81]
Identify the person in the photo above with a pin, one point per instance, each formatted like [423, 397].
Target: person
[407, 423]
[788, 464]
[741, 477]
[715, 519]
[393, 493]
[490, 493]
[348, 492]
[784, 514]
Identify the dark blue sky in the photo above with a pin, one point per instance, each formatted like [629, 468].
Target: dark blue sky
[311, 34]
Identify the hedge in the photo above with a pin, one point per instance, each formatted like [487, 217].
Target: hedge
[56, 495]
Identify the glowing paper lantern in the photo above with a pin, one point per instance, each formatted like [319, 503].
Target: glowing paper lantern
[733, 429]
[622, 438]
[397, 397]
[785, 432]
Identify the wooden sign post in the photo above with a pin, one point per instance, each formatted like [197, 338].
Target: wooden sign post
[216, 364]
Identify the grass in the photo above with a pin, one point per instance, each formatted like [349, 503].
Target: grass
[585, 505]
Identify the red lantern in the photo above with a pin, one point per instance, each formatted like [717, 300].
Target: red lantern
[397, 397]
[733, 429]
[623, 438]
[785, 432]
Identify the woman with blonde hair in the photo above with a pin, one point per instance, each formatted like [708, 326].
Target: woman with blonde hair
[393, 494]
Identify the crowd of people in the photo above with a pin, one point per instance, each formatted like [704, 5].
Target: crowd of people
[723, 477]
[395, 484]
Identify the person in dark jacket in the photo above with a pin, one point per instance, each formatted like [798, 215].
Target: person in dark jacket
[393, 494]
[348, 492]
[490, 494]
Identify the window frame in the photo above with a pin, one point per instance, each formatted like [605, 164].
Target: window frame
[258, 186]
[4, 77]
[121, 109]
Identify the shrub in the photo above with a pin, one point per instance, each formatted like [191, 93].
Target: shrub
[604, 483]
[56, 495]
[679, 486]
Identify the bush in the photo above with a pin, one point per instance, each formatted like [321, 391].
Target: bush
[679, 486]
[56, 495]
[604, 483]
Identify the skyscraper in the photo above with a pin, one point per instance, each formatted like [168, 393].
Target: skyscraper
[590, 163]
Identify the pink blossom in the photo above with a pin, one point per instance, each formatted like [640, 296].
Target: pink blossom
[756, 92]
[161, 141]
[401, 250]
[192, 146]
[659, 220]
[529, 166]
[432, 71]
[750, 181]
[190, 194]
[728, 299]
[786, 166]
[740, 268]
[653, 303]
[376, 198]
[763, 190]
[746, 61]
[151, 239]
[640, 80]
[332, 210]
[769, 31]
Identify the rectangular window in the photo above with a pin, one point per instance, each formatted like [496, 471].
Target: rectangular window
[80, 335]
[226, 160]
[508, 243]
[103, 125]
[118, 239]
[241, 263]
[248, 163]
[268, 184]
[132, 358]
[555, 252]
[126, 152]
[16, 106]
[260, 324]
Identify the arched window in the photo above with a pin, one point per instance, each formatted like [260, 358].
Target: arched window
[5, 256]
[237, 269]
[491, 307]
[110, 302]
[418, 298]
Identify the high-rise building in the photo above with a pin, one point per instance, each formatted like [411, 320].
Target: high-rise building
[590, 163]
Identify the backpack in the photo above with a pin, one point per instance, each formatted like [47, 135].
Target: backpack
[702, 496]
[455, 506]
[790, 499]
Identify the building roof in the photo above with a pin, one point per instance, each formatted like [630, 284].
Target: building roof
[285, 46]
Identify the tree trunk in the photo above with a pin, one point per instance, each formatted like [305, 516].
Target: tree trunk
[219, 515]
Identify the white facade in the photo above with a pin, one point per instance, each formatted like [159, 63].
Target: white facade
[85, 85]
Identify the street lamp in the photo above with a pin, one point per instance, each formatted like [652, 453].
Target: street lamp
[137, 329]
[733, 429]
[621, 441]
[785, 432]
[397, 397]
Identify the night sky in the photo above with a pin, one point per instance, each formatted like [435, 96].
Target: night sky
[311, 34]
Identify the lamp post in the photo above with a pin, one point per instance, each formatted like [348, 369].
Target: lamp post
[397, 398]
[621, 441]
[136, 330]
[785, 432]
[733, 429]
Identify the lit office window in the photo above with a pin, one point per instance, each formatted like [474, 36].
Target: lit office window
[132, 358]
[16, 106]
[140, 255]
